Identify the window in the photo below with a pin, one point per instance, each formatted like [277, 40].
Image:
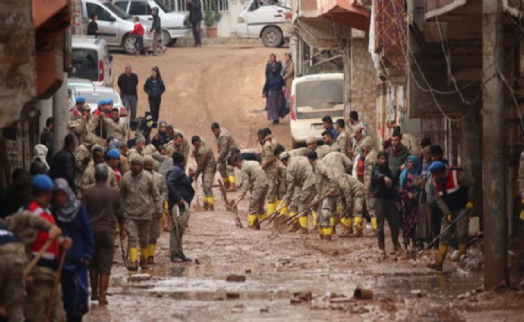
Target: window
[102, 14]
[85, 64]
[139, 9]
[122, 5]
[117, 11]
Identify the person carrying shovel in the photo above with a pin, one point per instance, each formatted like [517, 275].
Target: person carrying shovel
[455, 193]
[254, 179]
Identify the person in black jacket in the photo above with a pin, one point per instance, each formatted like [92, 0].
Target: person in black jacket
[385, 208]
[156, 29]
[195, 17]
[128, 83]
[92, 27]
[63, 164]
[181, 194]
[154, 87]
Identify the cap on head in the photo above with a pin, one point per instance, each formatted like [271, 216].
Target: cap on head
[368, 142]
[101, 103]
[109, 101]
[284, 156]
[148, 160]
[137, 158]
[140, 139]
[311, 140]
[42, 182]
[80, 99]
[437, 167]
[113, 154]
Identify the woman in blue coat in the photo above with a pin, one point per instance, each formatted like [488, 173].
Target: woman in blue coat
[71, 216]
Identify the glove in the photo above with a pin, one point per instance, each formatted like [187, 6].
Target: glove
[469, 206]
[522, 215]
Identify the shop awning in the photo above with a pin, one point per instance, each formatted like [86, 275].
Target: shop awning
[347, 12]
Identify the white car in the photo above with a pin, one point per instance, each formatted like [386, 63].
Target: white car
[312, 98]
[265, 19]
[91, 60]
[172, 22]
[93, 94]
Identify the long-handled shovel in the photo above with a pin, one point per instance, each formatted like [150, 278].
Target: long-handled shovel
[55, 287]
[290, 220]
[275, 213]
[413, 261]
[234, 209]
[124, 255]
[224, 194]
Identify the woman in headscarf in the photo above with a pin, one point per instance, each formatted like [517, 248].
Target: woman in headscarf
[273, 91]
[39, 163]
[71, 216]
[408, 193]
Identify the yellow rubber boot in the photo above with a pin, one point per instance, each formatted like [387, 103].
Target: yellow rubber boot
[225, 180]
[283, 211]
[151, 249]
[211, 203]
[271, 207]
[252, 220]
[292, 214]
[463, 249]
[232, 181]
[374, 223]
[357, 227]
[328, 233]
[315, 219]
[304, 223]
[347, 227]
[346, 222]
[441, 256]
[144, 253]
[133, 259]
[332, 222]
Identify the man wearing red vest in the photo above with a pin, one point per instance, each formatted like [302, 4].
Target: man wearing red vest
[455, 193]
[45, 273]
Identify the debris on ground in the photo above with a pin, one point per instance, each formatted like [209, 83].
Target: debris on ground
[301, 297]
[139, 278]
[236, 278]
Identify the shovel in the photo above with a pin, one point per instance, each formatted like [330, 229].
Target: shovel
[234, 209]
[312, 205]
[413, 261]
[38, 256]
[224, 194]
[198, 206]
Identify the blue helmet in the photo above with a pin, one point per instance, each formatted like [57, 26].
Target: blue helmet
[43, 182]
[437, 167]
[113, 154]
[80, 99]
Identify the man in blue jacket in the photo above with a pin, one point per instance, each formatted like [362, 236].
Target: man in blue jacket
[181, 194]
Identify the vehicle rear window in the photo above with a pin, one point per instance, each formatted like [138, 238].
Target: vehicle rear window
[316, 99]
[94, 97]
[85, 64]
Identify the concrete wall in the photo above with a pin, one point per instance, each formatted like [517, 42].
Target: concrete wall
[363, 82]
[228, 22]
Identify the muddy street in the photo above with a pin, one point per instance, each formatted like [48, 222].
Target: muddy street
[288, 276]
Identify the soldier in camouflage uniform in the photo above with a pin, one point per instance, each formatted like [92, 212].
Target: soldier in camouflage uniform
[88, 179]
[154, 229]
[312, 145]
[225, 143]
[178, 144]
[269, 165]
[138, 149]
[206, 165]
[83, 154]
[141, 201]
[371, 158]
[301, 189]
[353, 195]
[114, 127]
[254, 179]
[343, 137]
[13, 257]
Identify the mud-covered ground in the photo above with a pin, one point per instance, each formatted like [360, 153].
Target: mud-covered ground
[224, 84]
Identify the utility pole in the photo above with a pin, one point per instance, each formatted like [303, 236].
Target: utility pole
[494, 163]
[60, 116]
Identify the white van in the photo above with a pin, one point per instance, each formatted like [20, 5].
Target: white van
[91, 60]
[312, 98]
[114, 24]
[265, 19]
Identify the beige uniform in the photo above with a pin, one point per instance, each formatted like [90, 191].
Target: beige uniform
[353, 193]
[300, 183]
[269, 164]
[225, 143]
[172, 148]
[124, 164]
[81, 129]
[88, 179]
[141, 201]
[133, 151]
[154, 229]
[83, 158]
[281, 180]
[254, 178]
[369, 164]
[206, 165]
[116, 130]
[342, 142]
[149, 150]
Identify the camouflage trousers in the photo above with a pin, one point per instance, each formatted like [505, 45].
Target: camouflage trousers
[225, 170]
[138, 232]
[303, 198]
[461, 228]
[327, 211]
[272, 190]
[257, 199]
[208, 176]
[154, 229]
[39, 297]
[356, 207]
[12, 263]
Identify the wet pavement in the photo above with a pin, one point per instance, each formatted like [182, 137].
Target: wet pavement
[279, 266]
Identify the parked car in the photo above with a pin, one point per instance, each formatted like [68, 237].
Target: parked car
[114, 24]
[91, 60]
[264, 19]
[93, 94]
[172, 22]
[312, 98]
